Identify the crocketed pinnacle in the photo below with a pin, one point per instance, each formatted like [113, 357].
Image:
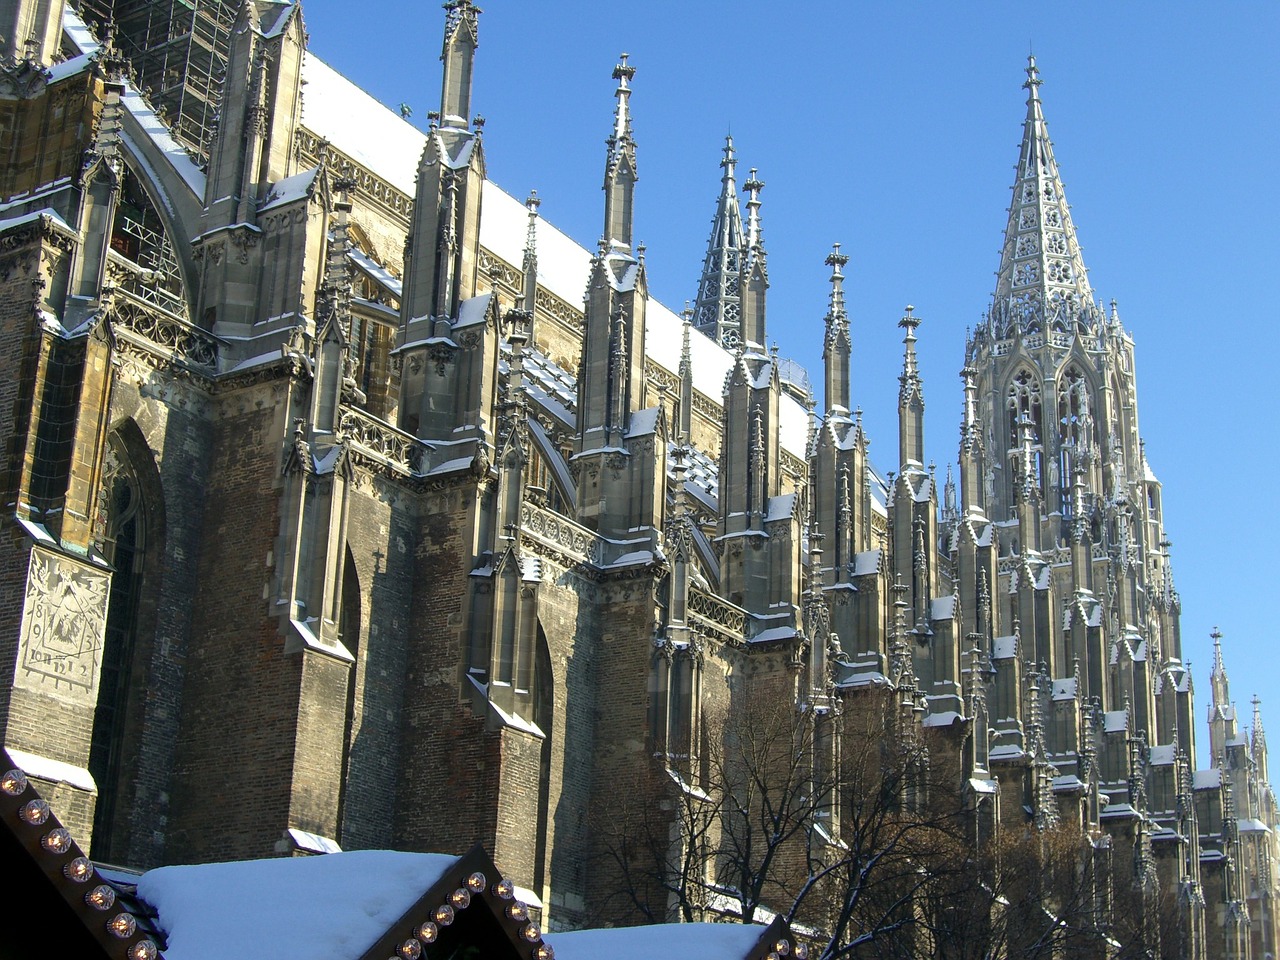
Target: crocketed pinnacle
[1042, 283]
[620, 166]
[755, 231]
[910, 384]
[718, 307]
[531, 253]
[621, 140]
[836, 343]
[1219, 692]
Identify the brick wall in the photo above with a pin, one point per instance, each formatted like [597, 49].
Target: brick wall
[234, 757]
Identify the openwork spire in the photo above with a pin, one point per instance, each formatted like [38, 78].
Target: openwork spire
[1042, 285]
[718, 307]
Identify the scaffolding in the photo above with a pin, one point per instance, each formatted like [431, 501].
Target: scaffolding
[178, 49]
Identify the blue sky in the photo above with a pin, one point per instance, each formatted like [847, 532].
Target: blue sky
[893, 129]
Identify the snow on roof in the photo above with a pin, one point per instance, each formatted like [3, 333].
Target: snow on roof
[943, 608]
[67, 68]
[1003, 648]
[78, 32]
[943, 719]
[1162, 755]
[643, 422]
[379, 139]
[664, 335]
[358, 125]
[774, 633]
[473, 310]
[1206, 779]
[1065, 688]
[314, 842]
[708, 941]
[793, 426]
[1114, 721]
[49, 212]
[866, 563]
[157, 132]
[563, 266]
[1007, 751]
[296, 908]
[55, 771]
[781, 508]
[376, 272]
[290, 189]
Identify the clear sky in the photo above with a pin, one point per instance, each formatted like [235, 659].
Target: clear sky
[893, 128]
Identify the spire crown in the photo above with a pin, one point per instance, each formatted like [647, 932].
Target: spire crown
[1033, 81]
[1042, 284]
[730, 164]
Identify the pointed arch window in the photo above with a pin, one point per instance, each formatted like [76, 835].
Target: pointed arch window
[145, 263]
[1024, 400]
[125, 544]
[1075, 429]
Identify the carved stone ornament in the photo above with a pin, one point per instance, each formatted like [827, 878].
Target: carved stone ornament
[64, 619]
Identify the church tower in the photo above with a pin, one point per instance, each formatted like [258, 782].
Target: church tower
[1056, 483]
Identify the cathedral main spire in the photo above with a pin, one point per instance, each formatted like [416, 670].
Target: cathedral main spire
[718, 307]
[1042, 283]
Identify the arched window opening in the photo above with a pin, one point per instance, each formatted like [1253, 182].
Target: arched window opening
[1023, 404]
[124, 546]
[349, 625]
[543, 709]
[144, 262]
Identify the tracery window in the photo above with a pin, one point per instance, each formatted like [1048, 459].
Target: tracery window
[1075, 428]
[124, 547]
[1023, 403]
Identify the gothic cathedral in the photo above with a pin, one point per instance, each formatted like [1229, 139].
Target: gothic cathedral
[352, 505]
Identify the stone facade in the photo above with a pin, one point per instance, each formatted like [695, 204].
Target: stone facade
[331, 521]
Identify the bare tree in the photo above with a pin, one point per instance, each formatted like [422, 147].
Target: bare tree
[869, 845]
